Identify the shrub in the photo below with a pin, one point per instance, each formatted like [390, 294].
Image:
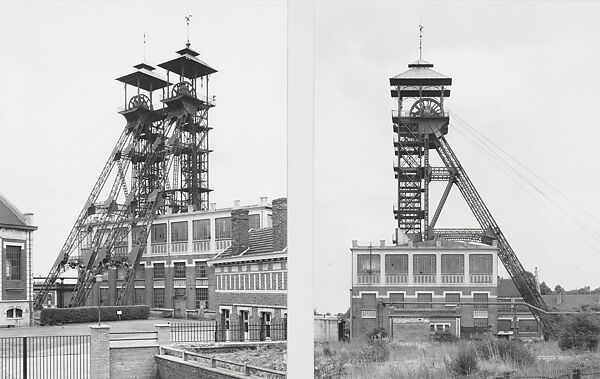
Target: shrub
[376, 333]
[53, 316]
[465, 363]
[507, 351]
[580, 332]
[378, 350]
[444, 336]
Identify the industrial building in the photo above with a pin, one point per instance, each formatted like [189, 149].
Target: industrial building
[16, 286]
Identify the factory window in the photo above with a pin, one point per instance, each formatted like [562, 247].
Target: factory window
[121, 273]
[253, 221]
[480, 322]
[201, 230]
[122, 237]
[158, 298]
[528, 326]
[13, 262]
[135, 236]
[179, 270]
[369, 301]
[368, 264]
[439, 327]
[504, 325]
[453, 264]
[159, 233]
[396, 264]
[424, 298]
[14, 313]
[223, 228]
[201, 270]
[140, 271]
[480, 298]
[424, 264]
[397, 298]
[201, 298]
[480, 264]
[452, 298]
[159, 271]
[179, 293]
[104, 296]
[140, 296]
[179, 231]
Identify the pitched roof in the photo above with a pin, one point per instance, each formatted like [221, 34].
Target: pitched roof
[260, 241]
[507, 288]
[10, 216]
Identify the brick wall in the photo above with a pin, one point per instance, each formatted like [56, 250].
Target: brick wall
[168, 367]
[133, 362]
[277, 299]
[239, 230]
[279, 223]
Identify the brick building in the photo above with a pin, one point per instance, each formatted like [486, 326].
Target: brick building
[387, 279]
[173, 274]
[16, 237]
[251, 274]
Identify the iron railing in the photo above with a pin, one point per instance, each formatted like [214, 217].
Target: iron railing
[228, 331]
[46, 357]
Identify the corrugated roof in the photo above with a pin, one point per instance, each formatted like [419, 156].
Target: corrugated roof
[9, 214]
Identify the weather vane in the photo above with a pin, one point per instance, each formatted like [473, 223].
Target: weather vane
[187, 21]
[144, 46]
[420, 40]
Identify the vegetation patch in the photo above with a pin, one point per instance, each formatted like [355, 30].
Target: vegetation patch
[54, 316]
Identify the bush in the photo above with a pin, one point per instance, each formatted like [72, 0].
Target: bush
[378, 350]
[444, 336]
[580, 332]
[507, 351]
[376, 333]
[465, 363]
[53, 316]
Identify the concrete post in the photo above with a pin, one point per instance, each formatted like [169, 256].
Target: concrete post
[99, 352]
[164, 334]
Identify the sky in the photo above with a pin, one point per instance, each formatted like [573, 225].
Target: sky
[60, 101]
[525, 80]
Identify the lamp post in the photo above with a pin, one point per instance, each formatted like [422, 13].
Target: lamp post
[98, 281]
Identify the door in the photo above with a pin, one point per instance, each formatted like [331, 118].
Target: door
[179, 307]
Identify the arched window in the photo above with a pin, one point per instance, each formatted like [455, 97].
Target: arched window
[14, 313]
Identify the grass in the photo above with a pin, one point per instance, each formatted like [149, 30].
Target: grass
[431, 360]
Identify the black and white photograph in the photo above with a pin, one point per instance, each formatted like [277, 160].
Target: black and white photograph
[143, 199]
[456, 205]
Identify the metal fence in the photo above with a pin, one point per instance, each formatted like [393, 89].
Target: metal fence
[228, 332]
[45, 357]
[575, 374]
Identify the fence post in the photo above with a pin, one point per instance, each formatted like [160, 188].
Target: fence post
[25, 357]
[577, 373]
[99, 352]
[246, 369]
[213, 363]
[164, 334]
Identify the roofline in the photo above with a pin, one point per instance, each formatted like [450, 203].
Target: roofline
[252, 257]
[15, 226]
[407, 247]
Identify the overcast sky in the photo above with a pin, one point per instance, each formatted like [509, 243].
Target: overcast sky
[59, 119]
[525, 75]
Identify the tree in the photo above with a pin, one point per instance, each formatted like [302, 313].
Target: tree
[544, 289]
[558, 289]
[580, 332]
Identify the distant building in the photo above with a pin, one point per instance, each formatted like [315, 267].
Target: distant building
[16, 238]
[386, 278]
[251, 274]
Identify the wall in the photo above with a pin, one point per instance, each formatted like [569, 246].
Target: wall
[135, 362]
[168, 367]
[325, 328]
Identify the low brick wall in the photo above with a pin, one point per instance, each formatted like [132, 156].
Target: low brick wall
[168, 367]
[326, 328]
[135, 362]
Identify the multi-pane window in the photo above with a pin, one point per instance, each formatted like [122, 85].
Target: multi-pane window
[104, 296]
[369, 301]
[158, 233]
[179, 292]
[14, 313]
[396, 264]
[201, 297]
[424, 298]
[452, 298]
[13, 260]
[223, 228]
[159, 271]
[368, 264]
[201, 270]
[135, 235]
[140, 296]
[424, 264]
[140, 271]
[480, 322]
[121, 273]
[253, 221]
[158, 297]
[528, 326]
[397, 298]
[201, 230]
[179, 231]
[453, 264]
[480, 298]
[122, 237]
[179, 268]
[480, 264]
[504, 325]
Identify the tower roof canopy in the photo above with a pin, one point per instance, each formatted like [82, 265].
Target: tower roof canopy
[420, 73]
[144, 78]
[188, 66]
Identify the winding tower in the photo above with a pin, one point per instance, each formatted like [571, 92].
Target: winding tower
[420, 125]
[159, 165]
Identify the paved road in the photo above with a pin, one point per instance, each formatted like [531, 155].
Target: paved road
[84, 329]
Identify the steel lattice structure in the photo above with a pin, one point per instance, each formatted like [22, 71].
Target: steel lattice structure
[158, 165]
[417, 131]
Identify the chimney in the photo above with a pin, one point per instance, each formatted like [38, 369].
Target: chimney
[236, 204]
[263, 200]
[239, 230]
[29, 218]
[213, 206]
[279, 223]
[381, 243]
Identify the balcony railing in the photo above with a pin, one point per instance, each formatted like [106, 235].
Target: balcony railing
[480, 313]
[159, 283]
[368, 278]
[158, 248]
[223, 244]
[396, 278]
[480, 278]
[453, 278]
[121, 250]
[202, 282]
[201, 245]
[368, 314]
[407, 114]
[179, 283]
[179, 247]
[424, 278]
